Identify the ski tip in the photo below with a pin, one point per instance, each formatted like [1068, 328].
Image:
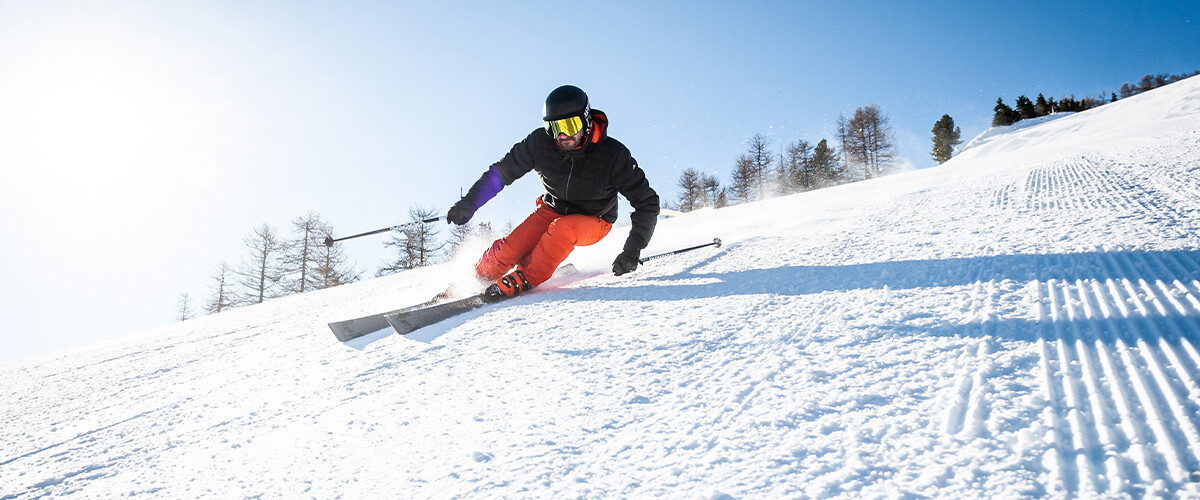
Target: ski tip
[717, 241]
[399, 326]
[565, 270]
[344, 332]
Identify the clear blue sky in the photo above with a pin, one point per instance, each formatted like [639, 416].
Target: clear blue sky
[140, 141]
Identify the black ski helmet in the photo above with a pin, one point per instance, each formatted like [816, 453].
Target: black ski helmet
[567, 101]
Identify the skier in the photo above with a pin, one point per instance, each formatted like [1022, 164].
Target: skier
[582, 170]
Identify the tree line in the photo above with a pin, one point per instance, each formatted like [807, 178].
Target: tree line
[1042, 106]
[865, 149]
[276, 265]
[1150, 82]
[1026, 108]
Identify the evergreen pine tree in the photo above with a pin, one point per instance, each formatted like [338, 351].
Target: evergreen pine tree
[945, 137]
[826, 166]
[1042, 106]
[1025, 108]
[1003, 115]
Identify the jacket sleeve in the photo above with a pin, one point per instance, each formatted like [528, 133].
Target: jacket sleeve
[631, 182]
[515, 164]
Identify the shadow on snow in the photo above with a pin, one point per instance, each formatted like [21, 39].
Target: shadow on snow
[1151, 267]
[1168, 266]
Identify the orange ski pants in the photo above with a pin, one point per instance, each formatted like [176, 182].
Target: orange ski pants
[540, 243]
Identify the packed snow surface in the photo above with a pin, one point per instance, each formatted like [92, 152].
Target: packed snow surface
[1021, 321]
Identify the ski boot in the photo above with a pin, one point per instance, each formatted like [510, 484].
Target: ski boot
[508, 286]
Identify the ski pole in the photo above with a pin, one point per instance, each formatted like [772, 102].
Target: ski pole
[329, 241]
[715, 242]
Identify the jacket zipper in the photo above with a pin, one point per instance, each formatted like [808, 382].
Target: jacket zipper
[570, 173]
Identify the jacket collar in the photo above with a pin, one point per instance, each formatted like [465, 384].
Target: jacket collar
[599, 130]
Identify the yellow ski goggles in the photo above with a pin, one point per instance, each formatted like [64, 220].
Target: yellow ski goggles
[570, 126]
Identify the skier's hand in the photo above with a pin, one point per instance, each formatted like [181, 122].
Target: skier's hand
[461, 212]
[626, 262]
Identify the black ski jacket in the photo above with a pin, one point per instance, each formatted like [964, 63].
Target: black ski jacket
[583, 181]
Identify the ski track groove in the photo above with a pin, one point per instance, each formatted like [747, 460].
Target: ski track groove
[1052, 387]
[1192, 321]
[1119, 434]
[1119, 358]
[1145, 199]
[1150, 331]
[1085, 447]
[1185, 365]
[1144, 455]
[966, 414]
[1090, 183]
[1174, 391]
[1003, 196]
[1086, 392]
[1071, 380]
[1142, 410]
[1148, 393]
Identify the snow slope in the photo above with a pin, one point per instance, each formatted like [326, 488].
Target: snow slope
[1023, 320]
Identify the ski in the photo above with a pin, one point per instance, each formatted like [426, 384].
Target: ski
[412, 318]
[354, 328]
[357, 327]
[435, 310]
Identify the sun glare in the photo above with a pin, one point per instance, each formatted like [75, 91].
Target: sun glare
[89, 126]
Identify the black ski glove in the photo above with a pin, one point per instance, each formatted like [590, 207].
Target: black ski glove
[626, 262]
[461, 212]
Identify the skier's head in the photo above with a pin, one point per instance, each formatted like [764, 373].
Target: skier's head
[566, 115]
